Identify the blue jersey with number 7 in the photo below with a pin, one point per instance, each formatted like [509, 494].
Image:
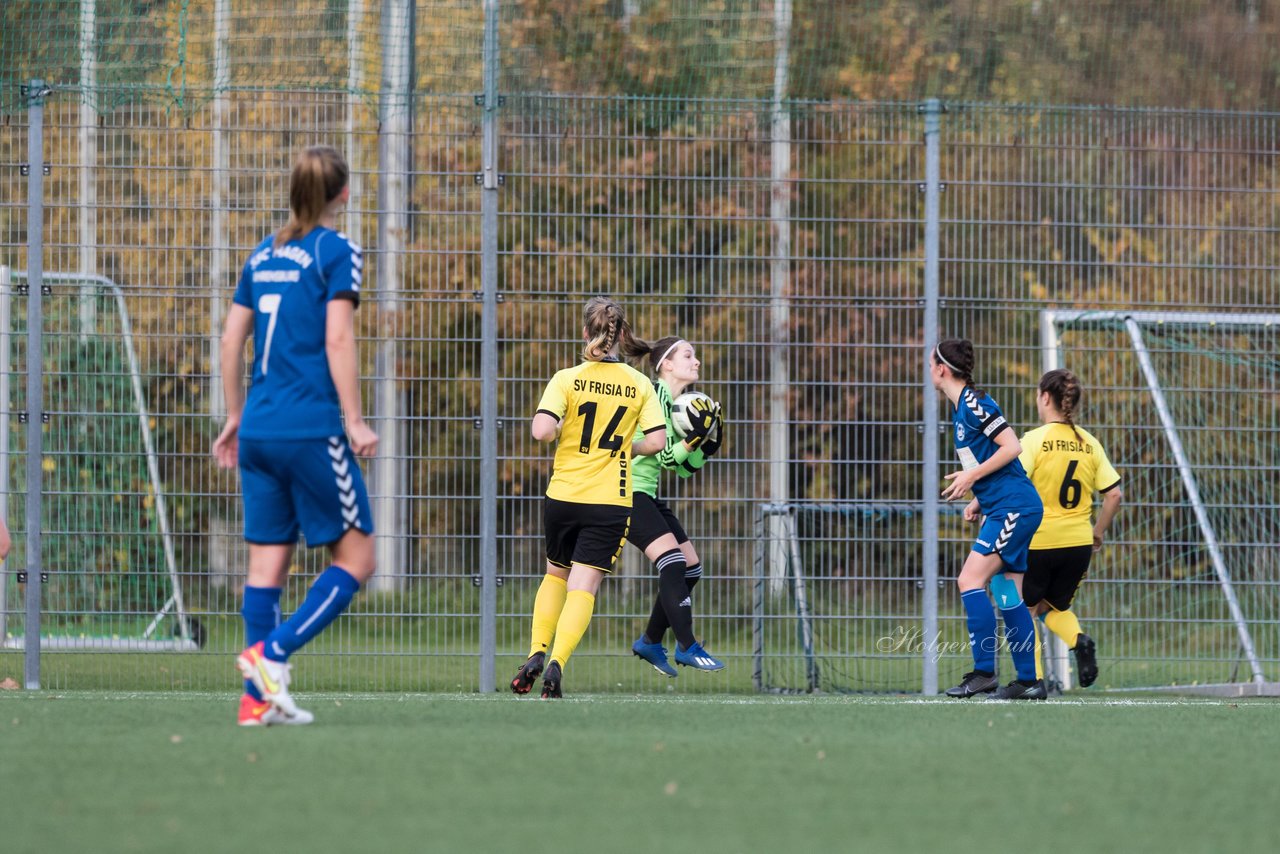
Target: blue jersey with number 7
[289, 288]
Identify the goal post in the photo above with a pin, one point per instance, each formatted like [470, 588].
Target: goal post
[838, 599]
[774, 522]
[115, 373]
[1174, 378]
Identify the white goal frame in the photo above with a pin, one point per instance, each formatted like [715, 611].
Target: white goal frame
[1052, 323]
[184, 640]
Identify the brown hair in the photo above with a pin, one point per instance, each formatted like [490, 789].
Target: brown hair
[319, 174]
[606, 325]
[957, 356]
[1063, 388]
[652, 353]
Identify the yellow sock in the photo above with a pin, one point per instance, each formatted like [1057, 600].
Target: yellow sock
[574, 620]
[547, 606]
[1039, 648]
[1063, 624]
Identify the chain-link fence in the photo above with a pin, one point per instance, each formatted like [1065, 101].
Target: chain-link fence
[794, 242]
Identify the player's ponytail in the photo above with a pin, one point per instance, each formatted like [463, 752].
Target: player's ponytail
[607, 327]
[1063, 388]
[956, 354]
[661, 350]
[319, 174]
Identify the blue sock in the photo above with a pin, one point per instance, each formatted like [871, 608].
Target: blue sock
[982, 629]
[327, 598]
[261, 612]
[1020, 634]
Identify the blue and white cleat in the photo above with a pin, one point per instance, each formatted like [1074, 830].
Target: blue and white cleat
[697, 658]
[655, 654]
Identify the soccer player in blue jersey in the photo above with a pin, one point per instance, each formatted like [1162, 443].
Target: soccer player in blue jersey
[1010, 510]
[297, 296]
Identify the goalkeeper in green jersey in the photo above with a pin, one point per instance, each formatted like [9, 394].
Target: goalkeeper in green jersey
[655, 530]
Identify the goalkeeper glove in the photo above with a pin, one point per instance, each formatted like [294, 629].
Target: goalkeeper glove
[715, 438]
[701, 413]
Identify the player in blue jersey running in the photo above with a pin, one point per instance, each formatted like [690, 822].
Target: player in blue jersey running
[297, 296]
[1010, 510]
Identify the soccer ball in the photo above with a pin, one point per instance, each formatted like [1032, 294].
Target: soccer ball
[679, 411]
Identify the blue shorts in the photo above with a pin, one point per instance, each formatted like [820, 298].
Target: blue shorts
[312, 485]
[1008, 532]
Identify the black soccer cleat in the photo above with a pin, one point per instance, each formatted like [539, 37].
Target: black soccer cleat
[528, 673]
[551, 682]
[1019, 690]
[1086, 659]
[974, 682]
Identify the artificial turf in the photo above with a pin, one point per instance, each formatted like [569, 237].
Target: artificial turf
[89, 771]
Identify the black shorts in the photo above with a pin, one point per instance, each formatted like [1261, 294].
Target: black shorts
[1054, 575]
[651, 518]
[590, 534]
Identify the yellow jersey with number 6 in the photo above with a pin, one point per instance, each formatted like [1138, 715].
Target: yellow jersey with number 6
[600, 406]
[1066, 470]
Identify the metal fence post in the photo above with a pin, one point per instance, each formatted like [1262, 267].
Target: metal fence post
[780, 189]
[355, 86]
[88, 164]
[395, 175]
[219, 210]
[36, 93]
[932, 111]
[489, 355]
[6, 411]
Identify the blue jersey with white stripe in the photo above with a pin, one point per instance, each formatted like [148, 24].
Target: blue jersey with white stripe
[289, 288]
[976, 422]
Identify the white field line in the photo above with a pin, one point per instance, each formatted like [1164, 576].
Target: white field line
[647, 699]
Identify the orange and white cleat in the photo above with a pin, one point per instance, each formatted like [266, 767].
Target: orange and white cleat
[254, 712]
[271, 678]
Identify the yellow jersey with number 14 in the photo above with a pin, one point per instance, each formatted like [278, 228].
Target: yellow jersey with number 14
[1066, 470]
[600, 406]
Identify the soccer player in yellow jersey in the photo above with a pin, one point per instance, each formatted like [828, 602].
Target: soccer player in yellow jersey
[1067, 465]
[594, 409]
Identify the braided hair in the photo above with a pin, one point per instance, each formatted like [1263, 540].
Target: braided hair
[607, 327]
[1063, 388]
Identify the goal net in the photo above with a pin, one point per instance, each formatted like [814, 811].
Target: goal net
[1185, 595]
[109, 573]
[1187, 592]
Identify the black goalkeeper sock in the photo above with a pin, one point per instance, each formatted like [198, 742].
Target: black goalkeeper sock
[692, 575]
[658, 622]
[673, 594]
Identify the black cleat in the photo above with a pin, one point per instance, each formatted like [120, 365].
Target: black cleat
[974, 682]
[551, 682]
[1019, 690]
[1086, 659]
[528, 673]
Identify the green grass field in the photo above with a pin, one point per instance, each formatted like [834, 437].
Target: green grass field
[109, 772]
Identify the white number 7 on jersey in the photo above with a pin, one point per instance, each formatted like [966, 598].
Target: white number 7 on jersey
[269, 304]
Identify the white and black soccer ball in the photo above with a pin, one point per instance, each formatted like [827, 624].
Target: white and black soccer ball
[680, 411]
